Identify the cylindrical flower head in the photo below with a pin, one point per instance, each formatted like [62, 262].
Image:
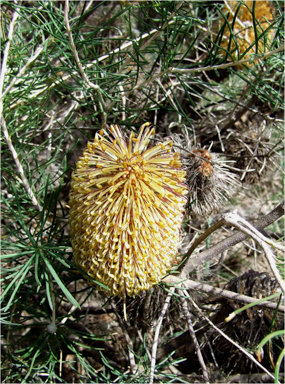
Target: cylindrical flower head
[249, 20]
[126, 210]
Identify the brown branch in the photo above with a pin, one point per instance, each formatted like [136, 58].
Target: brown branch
[233, 219]
[187, 315]
[204, 236]
[199, 286]
[192, 263]
[156, 335]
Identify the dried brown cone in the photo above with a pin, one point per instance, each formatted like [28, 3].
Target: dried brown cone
[210, 181]
[126, 210]
[249, 327]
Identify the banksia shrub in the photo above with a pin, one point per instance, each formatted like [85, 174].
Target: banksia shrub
[126, 210]
[246, 28]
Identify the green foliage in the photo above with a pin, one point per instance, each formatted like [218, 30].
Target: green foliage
[142, 62]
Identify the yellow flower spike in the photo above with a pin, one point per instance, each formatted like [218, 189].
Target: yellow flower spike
[126, 210]
[252, 33]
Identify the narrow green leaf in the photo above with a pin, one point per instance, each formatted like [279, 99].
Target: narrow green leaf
[20, 277]
[61, 285]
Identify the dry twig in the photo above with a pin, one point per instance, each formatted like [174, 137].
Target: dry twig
[5, 57]
[19, 166]
[235, 220]
[203, 287]
[192, 263]
[156, 335]
[184, 295]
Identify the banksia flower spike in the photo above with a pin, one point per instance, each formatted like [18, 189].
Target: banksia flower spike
[248, 21]
[126, 209]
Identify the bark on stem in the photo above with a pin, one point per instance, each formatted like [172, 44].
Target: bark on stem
[193, 262]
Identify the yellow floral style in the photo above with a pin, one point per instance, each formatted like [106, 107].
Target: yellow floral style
[249, 21]
[126, 209]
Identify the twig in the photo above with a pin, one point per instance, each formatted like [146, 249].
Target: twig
[235, 220]
[201, 238]
[19, 166]
[153, 32]
[101, 58]
[226, 65]
[129, 43]
[60, 363]
[184, 295]
[192, 263]
[233, 14]
[79, 65]
[244, 108]
[156, 335]
[5, 57]
[50, 124]
[142, 341]
[144, 46]
[220, 138]
[3, 124]
[124, 99]
[228, 338]
[207, 68]
[23, 70]
[203, 287]
[254, 155]
[128, 340]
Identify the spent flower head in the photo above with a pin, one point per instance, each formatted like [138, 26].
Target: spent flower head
[210, 181]
[126, 209]
[209, 177]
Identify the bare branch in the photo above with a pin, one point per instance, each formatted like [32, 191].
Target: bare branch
[39, 50]
[192, 263]
[19, 166]
[203, 287]
[208, 68]
[184, 295]
[235, 220]
[223, 66]
[156, 335]
[5, 57]
[203, 237]
[76, 56]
